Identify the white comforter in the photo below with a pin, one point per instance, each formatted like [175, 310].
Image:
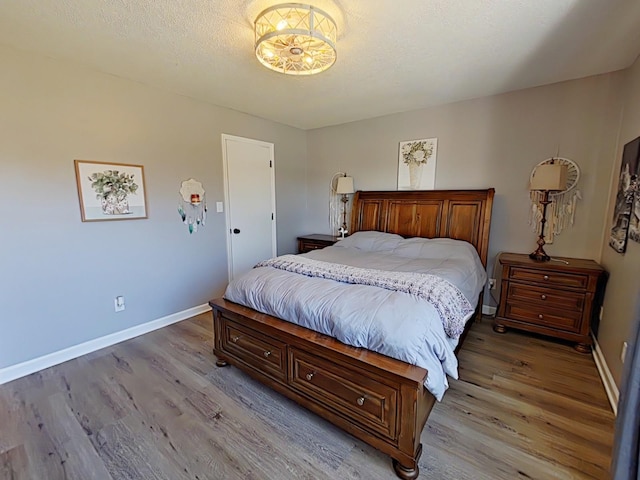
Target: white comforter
[396, 324]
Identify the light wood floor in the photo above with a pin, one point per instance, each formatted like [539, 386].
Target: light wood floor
[157, 407]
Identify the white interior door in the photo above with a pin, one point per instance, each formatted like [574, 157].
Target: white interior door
[251, 202]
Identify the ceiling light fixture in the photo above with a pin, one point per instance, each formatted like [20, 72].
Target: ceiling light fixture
[295, 39]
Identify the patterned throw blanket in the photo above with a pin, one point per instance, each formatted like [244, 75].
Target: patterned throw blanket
[446, 298]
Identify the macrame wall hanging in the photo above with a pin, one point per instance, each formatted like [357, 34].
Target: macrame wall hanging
[562, 211]
[192, 205]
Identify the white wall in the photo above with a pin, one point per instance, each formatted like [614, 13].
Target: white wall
[624, 281]
[58, 276]
[488, 142]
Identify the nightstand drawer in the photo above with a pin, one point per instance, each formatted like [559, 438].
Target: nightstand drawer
[560, 279]
[558, 319]
[307, 243]
[546, 297]
[304, 247]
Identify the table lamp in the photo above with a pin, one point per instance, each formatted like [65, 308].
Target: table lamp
[344, 187]
[546, 178]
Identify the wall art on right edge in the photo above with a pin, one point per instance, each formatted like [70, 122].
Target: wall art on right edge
[626, 215]
[417, 164]
[634, 218]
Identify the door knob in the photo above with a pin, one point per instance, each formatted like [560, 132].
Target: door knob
[236, 230]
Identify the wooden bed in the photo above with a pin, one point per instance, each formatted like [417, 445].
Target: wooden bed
[377, 399]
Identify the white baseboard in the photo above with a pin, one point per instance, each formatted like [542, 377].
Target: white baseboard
[488, 310]
[605, 375]
[23, 369]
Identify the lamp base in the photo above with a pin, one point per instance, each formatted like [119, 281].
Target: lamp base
[539, 255]
[343, 229]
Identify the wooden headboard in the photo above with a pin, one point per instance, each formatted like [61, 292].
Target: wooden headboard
[460, 214]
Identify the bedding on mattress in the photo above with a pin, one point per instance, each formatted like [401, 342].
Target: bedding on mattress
[405, 326]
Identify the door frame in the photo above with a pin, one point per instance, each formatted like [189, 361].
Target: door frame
[225, 173]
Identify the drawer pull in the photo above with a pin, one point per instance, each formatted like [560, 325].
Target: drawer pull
[543, 297]
[267, 353]
[540, 316]
[310, 375]
[235, 339]
[360, 401]
[546, 277]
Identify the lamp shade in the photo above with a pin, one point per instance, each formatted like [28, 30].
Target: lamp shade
[552, 176]
[345, 185]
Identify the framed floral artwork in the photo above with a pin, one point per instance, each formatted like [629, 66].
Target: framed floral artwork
[110, 191]
[417, 164]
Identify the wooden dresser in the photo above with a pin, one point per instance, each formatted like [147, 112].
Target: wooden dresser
[306, 243]
[552, 298]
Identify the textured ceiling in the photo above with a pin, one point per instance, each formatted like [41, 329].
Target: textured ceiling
[393, 55]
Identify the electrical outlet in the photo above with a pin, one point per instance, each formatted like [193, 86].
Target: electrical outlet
[118, 303]
[492, 284]
[219, 207]
[623, 353]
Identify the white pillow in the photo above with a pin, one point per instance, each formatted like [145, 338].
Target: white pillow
[371, 241]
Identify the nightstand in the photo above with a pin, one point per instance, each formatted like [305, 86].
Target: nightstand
[553, 298]
[306, 243]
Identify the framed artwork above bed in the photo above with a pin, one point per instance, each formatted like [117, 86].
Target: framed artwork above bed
[417, 164]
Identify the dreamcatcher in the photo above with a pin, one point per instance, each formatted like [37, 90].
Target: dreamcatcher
[561, 212]
[192, 206]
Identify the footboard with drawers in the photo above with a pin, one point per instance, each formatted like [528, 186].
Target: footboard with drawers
[379, 400]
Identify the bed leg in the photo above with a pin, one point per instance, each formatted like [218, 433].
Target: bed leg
[408, 472]
[405, 473]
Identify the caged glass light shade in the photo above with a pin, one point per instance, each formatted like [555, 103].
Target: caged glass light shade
[295, 39]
